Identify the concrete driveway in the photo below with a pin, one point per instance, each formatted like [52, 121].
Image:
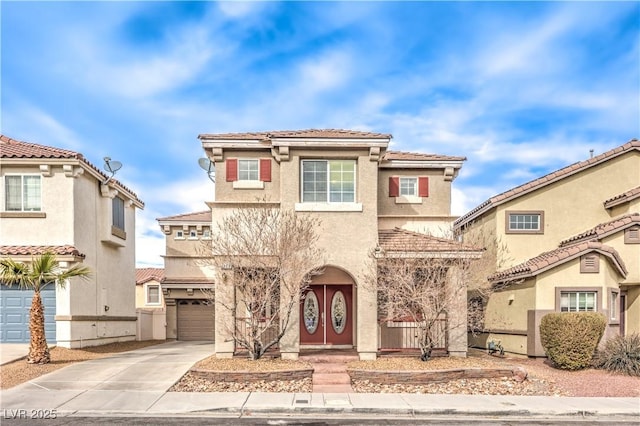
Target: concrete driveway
[127, 381]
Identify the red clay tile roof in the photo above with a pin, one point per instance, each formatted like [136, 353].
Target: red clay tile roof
[415, 156]
[196, 281]
[633, 145]
[38, 250]
[204, 216]
[553, 258]
[400, 240]
[631, 194]
[309, 133]
[12, 148]
[147, 274]
[604, 229]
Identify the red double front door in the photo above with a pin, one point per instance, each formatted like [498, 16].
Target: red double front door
[326, 315]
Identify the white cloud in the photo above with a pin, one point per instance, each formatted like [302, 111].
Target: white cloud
[240, 9]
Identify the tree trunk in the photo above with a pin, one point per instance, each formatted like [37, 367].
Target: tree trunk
[38, 348]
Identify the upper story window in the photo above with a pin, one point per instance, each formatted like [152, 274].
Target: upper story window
[328, 181]
[409, 186]
[578, 301]
[206, 234]
[117, 213]
[23, 193]
[193, 234]
[519, 222]
[250, 173]
[408, 189]
[248, 169]
[180, 234]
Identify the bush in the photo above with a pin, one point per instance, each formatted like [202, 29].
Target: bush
[621, 354]
[570, 339]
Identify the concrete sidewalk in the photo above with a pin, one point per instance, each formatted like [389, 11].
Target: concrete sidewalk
[135, 384]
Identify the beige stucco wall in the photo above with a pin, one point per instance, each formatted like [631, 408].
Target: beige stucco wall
[438, 203]
[78, 215]
[571, 205]
[141, 296]
[224, 190]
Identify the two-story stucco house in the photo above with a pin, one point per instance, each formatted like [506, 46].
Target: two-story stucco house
[55, 200]
[573, 241]
[365, 197]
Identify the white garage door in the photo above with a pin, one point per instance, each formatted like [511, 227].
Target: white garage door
[14, 314]
[195, 320]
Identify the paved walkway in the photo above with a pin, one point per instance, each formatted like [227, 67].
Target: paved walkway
[10, 352]
[135, 383]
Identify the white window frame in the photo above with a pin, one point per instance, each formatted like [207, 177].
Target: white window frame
[179, 234]
[578, 293]
[243, 180]
[328, 191]
[405, 183]
[193, 234]
[247, 167]
[147, 295]
[206, 234]
[22, 193]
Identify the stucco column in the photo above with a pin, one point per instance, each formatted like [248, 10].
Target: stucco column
[367, 308]
[290, 342]
[457, 312]
[225, 295]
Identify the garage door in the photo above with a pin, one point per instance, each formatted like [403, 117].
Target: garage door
[14, 314]
[195, 320]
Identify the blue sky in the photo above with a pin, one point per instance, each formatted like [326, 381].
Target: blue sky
[519, 88]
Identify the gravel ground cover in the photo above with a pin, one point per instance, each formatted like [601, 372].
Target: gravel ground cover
[17, 372]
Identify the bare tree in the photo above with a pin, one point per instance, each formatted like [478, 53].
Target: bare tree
[495, 256]
[419, 285]
[269, 256]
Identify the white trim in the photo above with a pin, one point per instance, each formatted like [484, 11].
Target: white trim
[408, 199]
[328, 207]
[146, 295]
[248, 184]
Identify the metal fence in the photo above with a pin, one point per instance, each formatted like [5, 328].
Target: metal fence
[267, 330]
[404, 335]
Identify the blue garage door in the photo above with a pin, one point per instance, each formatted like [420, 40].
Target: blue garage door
[14, 313]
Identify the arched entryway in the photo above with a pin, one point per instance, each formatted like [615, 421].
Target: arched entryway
[327, 313]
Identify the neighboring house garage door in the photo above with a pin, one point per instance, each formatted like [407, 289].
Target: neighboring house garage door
[195, 320]
[14, 313]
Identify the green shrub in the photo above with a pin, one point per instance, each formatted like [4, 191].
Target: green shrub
[570, 339]
[621, 354]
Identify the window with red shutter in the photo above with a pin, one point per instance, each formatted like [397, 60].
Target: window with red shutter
[394, 186]
[265, 169]
[232, 169]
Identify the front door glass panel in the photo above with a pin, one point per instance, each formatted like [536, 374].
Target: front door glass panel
[311, 312]
[338, 312]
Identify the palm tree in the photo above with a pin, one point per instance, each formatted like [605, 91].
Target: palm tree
[42, 270]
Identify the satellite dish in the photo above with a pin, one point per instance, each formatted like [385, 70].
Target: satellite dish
[209, 167]
[112, 167]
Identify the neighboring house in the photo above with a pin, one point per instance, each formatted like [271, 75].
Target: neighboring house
[188, 283]
[365, 197]
[55, 200]
[148, 289]
[573, 241]
[150, 305]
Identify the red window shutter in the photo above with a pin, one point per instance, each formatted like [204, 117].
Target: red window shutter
[423, 186]
[394, 186]
[232, 169]
[265, 169]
